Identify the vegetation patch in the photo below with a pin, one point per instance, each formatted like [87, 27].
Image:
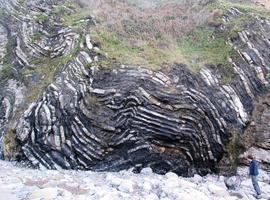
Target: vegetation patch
[41, 18]
[11, 147]
[178, 32]
[227, 166]
[47, 67]
[142, 53]
[236, 24]
[175, 32]
[2, 14]
[37, 36]
[234, 149]
[58, 10]
[243, 6]
[74, 19]
[204, 46]
[133, 33]
[7, 70]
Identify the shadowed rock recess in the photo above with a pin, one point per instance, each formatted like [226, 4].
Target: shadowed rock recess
[125, 116]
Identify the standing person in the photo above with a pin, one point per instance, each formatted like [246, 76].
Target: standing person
[254, 172]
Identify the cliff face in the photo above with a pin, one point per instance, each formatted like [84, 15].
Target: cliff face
[88, 117]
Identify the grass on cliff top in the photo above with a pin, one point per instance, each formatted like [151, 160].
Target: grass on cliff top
[140, 52]
[240, 22]
[72, 19]
[155, 36]
[160, 36]
[243, 6]
[200, 47]
[204, 46]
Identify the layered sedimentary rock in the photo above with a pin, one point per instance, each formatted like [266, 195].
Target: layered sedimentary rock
[3, 42]
[130, 116]
[256, 139]
[24, 39]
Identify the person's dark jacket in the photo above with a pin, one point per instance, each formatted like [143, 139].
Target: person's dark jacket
[253, 168]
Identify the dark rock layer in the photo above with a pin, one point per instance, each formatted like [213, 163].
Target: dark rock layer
[256, 139]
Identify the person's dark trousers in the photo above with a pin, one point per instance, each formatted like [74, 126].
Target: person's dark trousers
[255, 184]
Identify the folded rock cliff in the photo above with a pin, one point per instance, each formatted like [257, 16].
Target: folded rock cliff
[124, 116]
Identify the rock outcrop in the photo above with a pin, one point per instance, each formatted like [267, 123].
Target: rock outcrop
[128, 116]
[256, 138]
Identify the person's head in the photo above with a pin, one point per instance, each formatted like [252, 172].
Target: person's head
[250, 157]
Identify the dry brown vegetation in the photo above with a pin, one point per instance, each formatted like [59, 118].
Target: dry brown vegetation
[155, 33]
[264, 3]
[149, 19]
[150, 33]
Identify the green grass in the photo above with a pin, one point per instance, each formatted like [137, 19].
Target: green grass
[73, 20]
[21, 1]
[79, 13]
[142, 44]
[63, 10]
[236, 24]
[122, 50]
[7, 71]
[201, 47]
[37, 36]
[58, 10]
[234, 148]
[47, 67]
[41, 18]
[246, 7]
[204, 46]
[11, 146]
[2, 13]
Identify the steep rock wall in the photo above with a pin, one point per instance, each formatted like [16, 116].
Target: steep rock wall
[130, 116]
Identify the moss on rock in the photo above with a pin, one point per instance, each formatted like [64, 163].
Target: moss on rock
[11, 147]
